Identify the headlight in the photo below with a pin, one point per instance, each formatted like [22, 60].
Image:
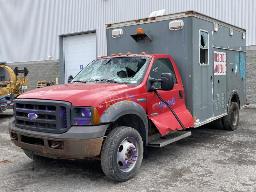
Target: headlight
[85, 116]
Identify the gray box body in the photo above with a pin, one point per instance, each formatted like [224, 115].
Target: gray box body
[207, 93]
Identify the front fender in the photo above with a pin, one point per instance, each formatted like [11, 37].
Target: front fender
[122, 108]
[234, 94]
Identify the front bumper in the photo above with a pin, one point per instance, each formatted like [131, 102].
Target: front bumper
[77, 143]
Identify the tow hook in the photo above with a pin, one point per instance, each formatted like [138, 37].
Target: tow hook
[56, 144]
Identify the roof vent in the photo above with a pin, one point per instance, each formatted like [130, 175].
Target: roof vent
[158, 13]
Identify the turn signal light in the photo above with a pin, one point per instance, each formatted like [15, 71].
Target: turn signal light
[96, 117]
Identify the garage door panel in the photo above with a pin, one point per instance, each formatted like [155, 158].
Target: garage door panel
[78, 51]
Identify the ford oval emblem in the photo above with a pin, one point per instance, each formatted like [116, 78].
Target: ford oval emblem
[32, 116]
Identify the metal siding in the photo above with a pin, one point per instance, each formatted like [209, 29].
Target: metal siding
[30, 29]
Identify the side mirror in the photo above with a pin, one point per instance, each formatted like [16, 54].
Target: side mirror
[70, 78]
[167, 81]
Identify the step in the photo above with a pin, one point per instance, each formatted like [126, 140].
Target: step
[171, 138]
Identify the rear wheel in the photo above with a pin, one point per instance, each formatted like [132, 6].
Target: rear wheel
[230, 122]
[122, 153]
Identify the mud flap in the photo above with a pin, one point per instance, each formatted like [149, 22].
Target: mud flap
[166, 122]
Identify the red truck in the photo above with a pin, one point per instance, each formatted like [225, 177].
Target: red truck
[118, 105]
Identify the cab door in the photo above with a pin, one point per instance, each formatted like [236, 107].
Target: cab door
[157, 111]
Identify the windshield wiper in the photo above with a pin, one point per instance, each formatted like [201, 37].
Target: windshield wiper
[107, 80]
[78, 81]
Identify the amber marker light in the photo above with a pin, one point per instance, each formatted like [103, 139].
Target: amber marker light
[140, 31]
[95, 117]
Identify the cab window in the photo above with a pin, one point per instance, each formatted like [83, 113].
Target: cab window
[162, 65]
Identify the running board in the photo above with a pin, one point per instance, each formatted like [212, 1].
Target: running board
[171, 138]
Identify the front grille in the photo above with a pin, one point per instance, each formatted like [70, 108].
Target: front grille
[42, 115]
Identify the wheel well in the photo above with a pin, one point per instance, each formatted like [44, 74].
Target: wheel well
[235, 98]
[130, 120]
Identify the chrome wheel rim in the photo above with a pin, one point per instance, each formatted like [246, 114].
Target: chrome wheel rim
[127, 155]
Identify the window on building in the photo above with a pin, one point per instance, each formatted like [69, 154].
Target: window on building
[204, 47]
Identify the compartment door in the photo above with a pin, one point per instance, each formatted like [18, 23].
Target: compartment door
[219, 82]
[203, 80]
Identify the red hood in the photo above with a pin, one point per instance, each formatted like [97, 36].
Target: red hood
[89, 94]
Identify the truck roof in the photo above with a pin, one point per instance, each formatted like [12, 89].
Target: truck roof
[178, 15]
[129, 55]
[144, 54]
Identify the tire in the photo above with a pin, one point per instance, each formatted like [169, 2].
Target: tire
[230, 122]
[120, 142]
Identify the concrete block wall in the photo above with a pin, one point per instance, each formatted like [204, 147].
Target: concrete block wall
[39, 71]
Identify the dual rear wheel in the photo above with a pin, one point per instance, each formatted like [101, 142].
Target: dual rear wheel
[231, 120]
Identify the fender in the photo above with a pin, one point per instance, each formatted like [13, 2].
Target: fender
[233, 93]
[122, 108]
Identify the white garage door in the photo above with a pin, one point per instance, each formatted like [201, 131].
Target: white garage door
[78, 51]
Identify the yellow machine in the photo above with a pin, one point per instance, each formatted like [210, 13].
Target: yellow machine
[12, 87]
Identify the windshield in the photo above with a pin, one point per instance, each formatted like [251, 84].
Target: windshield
[115, 70]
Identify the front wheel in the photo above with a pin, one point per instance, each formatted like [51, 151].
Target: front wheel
[122, 153]
[230, 122]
